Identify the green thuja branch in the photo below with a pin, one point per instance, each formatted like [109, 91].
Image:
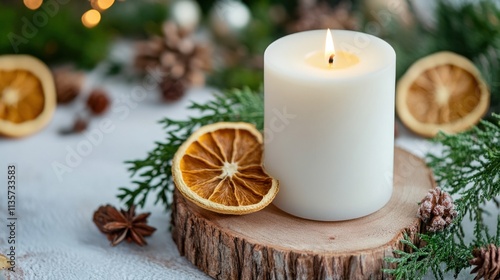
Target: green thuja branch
[153, 174]
[468, 167]
[440, 248]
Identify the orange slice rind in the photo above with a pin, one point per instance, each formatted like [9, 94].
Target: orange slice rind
[219, 168]
[27, 95]
[441, 92]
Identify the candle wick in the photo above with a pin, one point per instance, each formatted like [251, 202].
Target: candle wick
[330, 60]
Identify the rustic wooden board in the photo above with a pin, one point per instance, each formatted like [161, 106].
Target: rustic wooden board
[272, 244]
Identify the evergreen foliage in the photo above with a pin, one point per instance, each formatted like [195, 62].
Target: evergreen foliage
[153, 174]
[468, 168]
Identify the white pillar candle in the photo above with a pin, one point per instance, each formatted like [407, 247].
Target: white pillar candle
[329, 129]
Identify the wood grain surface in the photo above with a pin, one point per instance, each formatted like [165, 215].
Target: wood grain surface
[271, 244]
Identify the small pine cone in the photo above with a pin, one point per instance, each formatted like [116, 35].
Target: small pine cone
[437, 210]
[487, 262]
[98, 101]
[80, 125]
[172, 89]
[68, 84]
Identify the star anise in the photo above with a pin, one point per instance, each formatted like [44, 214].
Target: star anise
[123, 225]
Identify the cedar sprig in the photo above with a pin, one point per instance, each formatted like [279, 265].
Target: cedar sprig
[468, 167]
[415, 261]
[153, 176]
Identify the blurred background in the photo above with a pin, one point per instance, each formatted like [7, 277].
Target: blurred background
[220, 43]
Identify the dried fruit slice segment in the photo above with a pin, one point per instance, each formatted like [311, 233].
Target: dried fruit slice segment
[443, 91]
[220, 169]
[27, 95]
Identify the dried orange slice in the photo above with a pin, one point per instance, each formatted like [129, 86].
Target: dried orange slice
[4, 262]
[27, 95]
[441, 92]
[219, 168]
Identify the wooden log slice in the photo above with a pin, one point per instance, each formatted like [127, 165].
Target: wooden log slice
[271, 244]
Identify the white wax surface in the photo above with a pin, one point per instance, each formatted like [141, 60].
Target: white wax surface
[329, 133]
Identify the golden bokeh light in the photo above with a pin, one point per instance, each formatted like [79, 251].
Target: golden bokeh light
[102, 4]
[91, 18]
[33, 4]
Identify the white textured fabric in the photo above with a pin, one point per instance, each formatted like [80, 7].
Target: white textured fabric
[55, 235]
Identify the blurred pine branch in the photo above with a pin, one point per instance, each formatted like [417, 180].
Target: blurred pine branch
[54, 32]
[471, 29]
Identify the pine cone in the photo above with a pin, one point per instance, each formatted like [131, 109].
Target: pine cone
[437, 210]
[172, 89]
[177, 56]
[182, 58]
[487, 262]
[98, 101]
[80, 125]
[68, 84]
[148, 53]
[320, 15]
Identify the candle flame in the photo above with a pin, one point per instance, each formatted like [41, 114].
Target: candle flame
[329, 48]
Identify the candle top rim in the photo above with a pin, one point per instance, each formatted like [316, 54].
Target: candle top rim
[287, 54]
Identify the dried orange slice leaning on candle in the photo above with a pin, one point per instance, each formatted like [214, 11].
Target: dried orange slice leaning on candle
[441, 92]
[27, 95]
[219, 168]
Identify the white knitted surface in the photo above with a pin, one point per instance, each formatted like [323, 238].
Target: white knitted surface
[55, 235]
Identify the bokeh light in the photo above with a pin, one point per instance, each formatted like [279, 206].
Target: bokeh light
[102, 4]
[91, 18]
[33, 4]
